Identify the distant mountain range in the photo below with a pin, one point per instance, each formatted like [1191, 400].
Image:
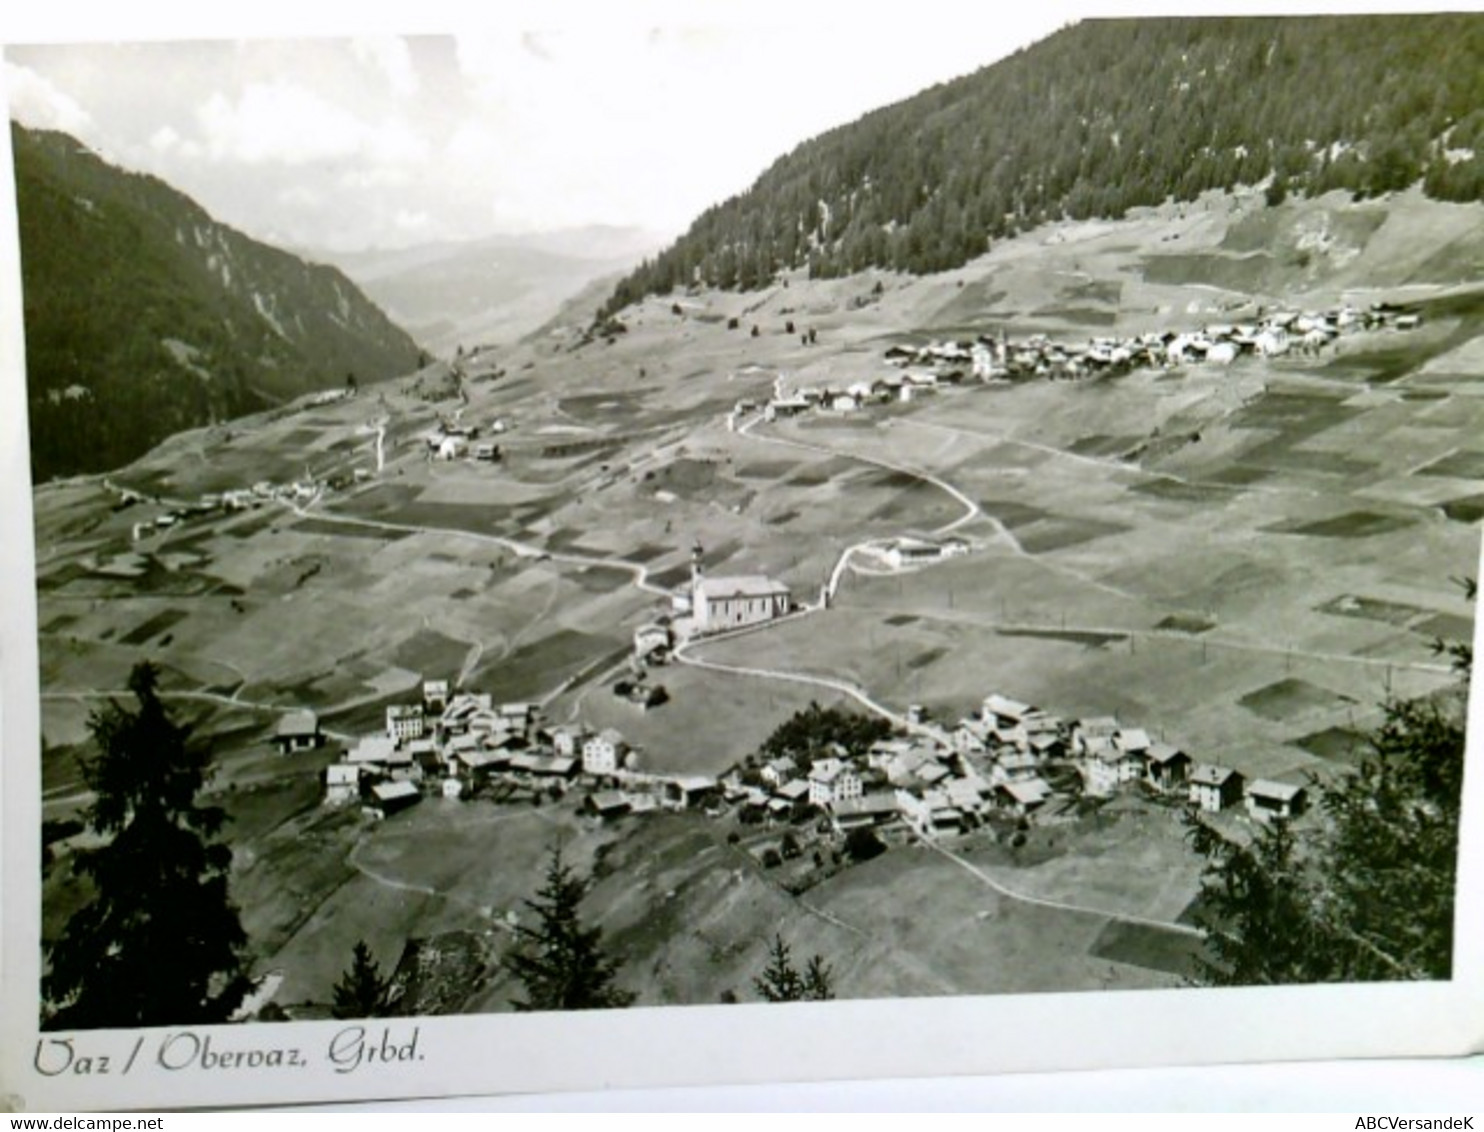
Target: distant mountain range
[494, 290]
[144, 316]
[1099, 118]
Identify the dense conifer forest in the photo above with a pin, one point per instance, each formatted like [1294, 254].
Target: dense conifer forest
[1100, 118]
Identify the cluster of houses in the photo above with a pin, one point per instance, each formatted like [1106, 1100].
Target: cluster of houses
[1001, 759]
[234, 500]
[1270, 335]
[450, 440]
[923, 368]
[453, 743]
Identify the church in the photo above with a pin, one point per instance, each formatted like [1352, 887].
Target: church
[733, 602]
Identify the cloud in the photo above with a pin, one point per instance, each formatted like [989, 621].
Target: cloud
[283, 123]
[391, 56]
[36, 102]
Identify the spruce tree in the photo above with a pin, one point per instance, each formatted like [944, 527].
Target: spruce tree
[160, 942]
[558, 960]
[362, 992]
[781, 981]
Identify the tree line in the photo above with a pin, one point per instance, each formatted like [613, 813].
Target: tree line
[1102, 117]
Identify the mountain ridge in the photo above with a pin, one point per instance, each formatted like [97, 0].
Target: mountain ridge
[145, 316]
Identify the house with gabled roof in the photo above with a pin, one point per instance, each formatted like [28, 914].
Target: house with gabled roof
[1166, 767]
[297, 731]
[1267, 800]
[1214, 788]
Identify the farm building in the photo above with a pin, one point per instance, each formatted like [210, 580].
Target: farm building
[297, 731]
[388, 798]
[1267, 799]
[1214, 788]
[864, 812]
[1168, 767]
[608, 804]
[912, 552]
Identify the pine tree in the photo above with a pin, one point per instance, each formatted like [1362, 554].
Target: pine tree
[558, 960]
[160, 942]
[781, 981]
[362, 992]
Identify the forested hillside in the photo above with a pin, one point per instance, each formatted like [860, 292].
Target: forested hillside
[144, 316]
[1097, 119]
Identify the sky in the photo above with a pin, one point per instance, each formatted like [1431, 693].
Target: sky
[350, 136]
[386, 140]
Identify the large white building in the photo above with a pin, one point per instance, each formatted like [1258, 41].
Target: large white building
[732, 602]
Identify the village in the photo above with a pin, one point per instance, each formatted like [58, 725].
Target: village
[988, 358]
[1007, 765]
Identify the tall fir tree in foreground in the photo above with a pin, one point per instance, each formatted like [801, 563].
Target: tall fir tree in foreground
[362, 992]
[160, 942]
[559, 961]
[781, 981]
[1368, 894]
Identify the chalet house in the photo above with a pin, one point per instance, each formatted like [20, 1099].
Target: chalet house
[793, 792]
[297, 731]
[1214, 788]
[342, 783]
[779, 771]
[404, 721]
[1167, 768]
[1133, 741]
[1038, 732]
[1267, 800]
[1089, 734]
[1003, 711]
[457, 717]
[1110, 767]
[604, 752]
[689, 790]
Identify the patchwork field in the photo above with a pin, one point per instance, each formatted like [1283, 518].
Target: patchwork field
[1246, 561]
